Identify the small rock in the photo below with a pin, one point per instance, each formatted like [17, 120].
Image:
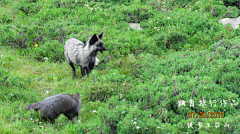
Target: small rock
[234, 22]
[135, 26]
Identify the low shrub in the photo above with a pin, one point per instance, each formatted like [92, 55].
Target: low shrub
[52, 50]
[232, 3]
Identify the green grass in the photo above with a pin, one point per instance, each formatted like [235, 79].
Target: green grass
[183, 53]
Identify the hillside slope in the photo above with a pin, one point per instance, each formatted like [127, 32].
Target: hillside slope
[148, 79]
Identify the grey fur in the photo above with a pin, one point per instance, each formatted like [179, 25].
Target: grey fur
[84, 55]
[51, 107]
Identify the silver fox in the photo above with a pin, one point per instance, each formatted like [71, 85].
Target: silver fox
[51, 107]
[84, 55]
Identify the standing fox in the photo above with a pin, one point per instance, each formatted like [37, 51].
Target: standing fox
[84, 55]
[51, 107]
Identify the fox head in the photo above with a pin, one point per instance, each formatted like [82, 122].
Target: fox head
[97, 43]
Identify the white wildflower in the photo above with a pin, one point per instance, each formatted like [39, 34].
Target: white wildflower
[169, 18]
[94, 111]
[137, 127]
[45, 58]
[134, 122]
[121, 96]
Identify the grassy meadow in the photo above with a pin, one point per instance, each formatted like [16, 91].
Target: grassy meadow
[156, 80]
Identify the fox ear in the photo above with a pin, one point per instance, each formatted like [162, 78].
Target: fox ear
[77, 94]
[93, 39]
[100, 35]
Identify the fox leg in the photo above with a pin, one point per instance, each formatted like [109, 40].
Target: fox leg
[50, 119]
[73, 69]
[91, 66]
[83, 70]
[88, 70]
[70, 116]
[75, 114]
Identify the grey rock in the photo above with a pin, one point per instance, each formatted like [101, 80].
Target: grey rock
[234, 22]
[135, 26]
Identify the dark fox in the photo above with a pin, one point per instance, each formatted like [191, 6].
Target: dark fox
[51, 107]
[84, 55]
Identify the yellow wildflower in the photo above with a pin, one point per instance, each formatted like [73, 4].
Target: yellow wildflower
[36, 45]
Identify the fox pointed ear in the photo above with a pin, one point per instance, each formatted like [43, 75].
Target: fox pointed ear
[100, 35]
[77, 94]
[93, 39]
